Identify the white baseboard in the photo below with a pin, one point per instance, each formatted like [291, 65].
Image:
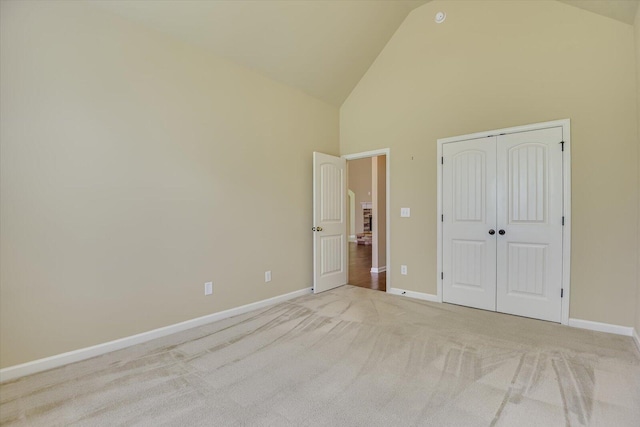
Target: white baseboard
[601, 327]
[379, 269]
[636, 338]
[13, 372]
[352, 238]
[412, 294]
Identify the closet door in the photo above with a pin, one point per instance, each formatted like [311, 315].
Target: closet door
[469, 215]
[529, 222]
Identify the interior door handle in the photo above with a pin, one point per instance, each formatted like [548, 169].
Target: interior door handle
[318, 228]
[502, 232]
[492, 232]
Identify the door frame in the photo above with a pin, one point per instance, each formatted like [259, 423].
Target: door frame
[369, 154]
[565, 124]
[351, 197]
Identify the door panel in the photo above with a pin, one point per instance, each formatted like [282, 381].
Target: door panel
[329, 222]
[526, 175]
[331, 254]
[331, 203]
[527, 269]
[469, 261]
[529, 254]
[469, 209]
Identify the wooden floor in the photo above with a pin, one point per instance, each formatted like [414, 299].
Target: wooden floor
[360, 269]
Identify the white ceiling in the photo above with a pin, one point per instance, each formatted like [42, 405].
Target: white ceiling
[321, 47]
[621, 10]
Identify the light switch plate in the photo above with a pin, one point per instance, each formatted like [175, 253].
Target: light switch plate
[405, 212]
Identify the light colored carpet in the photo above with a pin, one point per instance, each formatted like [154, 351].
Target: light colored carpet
[348, 357]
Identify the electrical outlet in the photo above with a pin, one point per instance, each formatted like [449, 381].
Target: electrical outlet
[405, 212]
[267, 276]
[403, 270]
[208, 288]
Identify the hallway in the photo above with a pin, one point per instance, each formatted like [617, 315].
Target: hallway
[360, 269]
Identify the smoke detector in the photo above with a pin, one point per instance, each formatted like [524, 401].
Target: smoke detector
[440, 17]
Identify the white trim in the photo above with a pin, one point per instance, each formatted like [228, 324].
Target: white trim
[515, 129]
[379, 269]
[636, 339]
[351, 197]
[13, 372]
[439, 256]
[566, 230]
[412, 294]
[566, 179]
[374, 153]
[366, 205]
[365, 154]
[601, 327]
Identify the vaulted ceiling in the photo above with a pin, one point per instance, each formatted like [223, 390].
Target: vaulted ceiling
[321, 47]
[621, 10]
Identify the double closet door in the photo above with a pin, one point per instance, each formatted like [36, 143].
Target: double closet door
[502, 223]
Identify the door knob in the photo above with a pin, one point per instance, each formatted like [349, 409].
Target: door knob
[319, 228]
[492, 232]
[313, 229]
[501, 232]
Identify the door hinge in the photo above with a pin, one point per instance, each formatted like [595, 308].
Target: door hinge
[442, 276]
[562, 144]
[561, 293]
[442, 218]
[441, 160]
[562, 220]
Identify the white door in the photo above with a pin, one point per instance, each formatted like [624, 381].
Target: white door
[529, 278]
[329, 222]
[469, 218]
[502, 223]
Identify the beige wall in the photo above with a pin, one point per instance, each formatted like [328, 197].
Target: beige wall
[637, 46]
[495, 64]
[360, 184]
[135, 168]
[379, 192]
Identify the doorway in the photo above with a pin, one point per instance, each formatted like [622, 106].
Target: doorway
[367, 178]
